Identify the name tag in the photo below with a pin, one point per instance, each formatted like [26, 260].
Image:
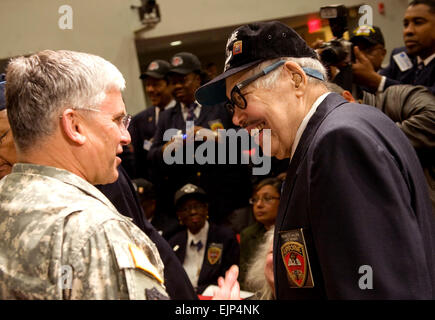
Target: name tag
[403, 61]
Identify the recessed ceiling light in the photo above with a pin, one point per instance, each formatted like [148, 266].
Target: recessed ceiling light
[175, 43]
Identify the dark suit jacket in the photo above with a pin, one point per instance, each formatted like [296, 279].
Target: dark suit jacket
[425, 77]
[356, 188]
[142, 127]
[123, 196]
[210, 272]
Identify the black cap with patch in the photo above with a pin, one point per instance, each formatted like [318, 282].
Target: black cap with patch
[367, 35]
[249, 45]
[184, 63]
[156, 69]
[189, 190]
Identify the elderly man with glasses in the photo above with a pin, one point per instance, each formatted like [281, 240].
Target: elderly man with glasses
[354, 206]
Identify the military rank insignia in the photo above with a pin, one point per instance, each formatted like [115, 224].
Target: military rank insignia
[214, 253]
[295, 259]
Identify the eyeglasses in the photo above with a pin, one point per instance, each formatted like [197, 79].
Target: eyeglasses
[237, 98]
[196, 207]
[265, 199]
[124, 120]
[3, 136]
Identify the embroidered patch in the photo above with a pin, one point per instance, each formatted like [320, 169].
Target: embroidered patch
[177, 61]
[295, 259]
[237, 47]
[214, 253]
[153, 66]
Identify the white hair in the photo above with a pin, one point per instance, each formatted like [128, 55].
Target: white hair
[270, 79]
[40, 87]
[255, 278]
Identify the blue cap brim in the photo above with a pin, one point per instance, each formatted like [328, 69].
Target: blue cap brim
[214, 91]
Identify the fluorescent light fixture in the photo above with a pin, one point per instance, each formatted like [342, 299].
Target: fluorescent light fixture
[175, 43]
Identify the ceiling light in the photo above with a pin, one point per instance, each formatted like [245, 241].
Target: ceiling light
[175, 43]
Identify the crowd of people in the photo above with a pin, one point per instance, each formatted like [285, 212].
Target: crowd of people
[88, 190]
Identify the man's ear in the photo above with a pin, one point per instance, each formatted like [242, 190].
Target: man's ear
[298, 78]
[72, 126]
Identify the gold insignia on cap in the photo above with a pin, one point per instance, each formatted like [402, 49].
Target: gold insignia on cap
[153, 66]
[363, 30]
[237, 47]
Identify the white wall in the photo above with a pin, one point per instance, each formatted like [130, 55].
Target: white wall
[106, 27]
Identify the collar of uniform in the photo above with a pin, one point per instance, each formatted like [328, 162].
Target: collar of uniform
[64, 176]
[201, 235]
[304, 122]
[427, 60]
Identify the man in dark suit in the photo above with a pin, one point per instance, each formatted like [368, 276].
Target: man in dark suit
[413, 64]
[206, 250]
[143, 125]
[355, 211]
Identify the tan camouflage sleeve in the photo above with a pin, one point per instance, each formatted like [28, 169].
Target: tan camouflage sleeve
[117, 262]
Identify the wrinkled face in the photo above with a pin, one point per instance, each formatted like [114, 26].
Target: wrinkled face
[184, 86]
[7, 148]
[276, 109]
[193, 214]
[419, 30]
[266, 203]
[105, 137]
[158, 90]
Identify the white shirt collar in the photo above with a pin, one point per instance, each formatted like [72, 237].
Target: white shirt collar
[201, 235]
[185, 112]
[304, 122]
[427, 60]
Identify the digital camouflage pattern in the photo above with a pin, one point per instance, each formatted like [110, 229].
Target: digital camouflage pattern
[51, 218]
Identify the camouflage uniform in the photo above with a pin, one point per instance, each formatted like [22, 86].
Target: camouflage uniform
[60, 238]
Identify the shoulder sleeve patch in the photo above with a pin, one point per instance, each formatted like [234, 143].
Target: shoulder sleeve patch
[142, 262]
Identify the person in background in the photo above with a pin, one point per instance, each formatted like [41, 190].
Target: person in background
[143, 125]
[265, 203]
[413, 64]
[148, 199]
[206, 250]
[412, 108]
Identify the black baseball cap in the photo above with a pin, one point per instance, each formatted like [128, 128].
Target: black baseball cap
[250, 45]
[184, 63]
[189, 190]
[368, 35]
[156, 69]
[2, 92]
[144, 188]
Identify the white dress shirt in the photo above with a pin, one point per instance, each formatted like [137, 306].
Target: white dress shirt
[194, 258]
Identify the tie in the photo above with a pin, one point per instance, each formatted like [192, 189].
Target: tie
[198, 245]
[190, 112]
[417, 73]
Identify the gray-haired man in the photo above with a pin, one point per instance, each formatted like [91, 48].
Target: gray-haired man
[60, 237]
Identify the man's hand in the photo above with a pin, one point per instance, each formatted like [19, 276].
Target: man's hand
[363, 72]
[229, 288]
